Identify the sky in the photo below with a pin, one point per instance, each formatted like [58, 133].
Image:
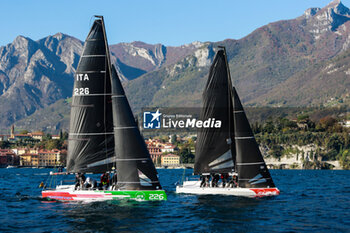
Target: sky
[170, 22]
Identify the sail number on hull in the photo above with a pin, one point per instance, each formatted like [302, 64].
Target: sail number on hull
[156, 196]
[82, 90]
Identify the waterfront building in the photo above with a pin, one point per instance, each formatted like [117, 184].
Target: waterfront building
[29, 159]
[155, 152]
[157, 148]
[37, 135]
[170, 159]
[49, 157]
[40, 158]
[8, 157]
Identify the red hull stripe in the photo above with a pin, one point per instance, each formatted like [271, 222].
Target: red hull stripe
[266, 191]
[68, 196]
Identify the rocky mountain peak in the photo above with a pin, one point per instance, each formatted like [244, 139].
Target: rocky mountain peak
[311, 12]
[338, 7]
[51, 42]
[59, 36]
[155, 54]
[21, 41]
[327, 19]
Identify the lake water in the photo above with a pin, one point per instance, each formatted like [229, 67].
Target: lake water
[310, 201]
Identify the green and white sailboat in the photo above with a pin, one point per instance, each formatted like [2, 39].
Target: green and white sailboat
[103, 132]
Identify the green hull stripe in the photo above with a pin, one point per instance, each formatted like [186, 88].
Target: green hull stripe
[143, 195]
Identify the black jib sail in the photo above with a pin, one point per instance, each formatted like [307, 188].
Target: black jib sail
[135, 168]
[91, 139]
[251, 167]
[214, 148]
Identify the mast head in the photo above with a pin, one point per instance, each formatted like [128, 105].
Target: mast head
[221, 47]
[100, 17]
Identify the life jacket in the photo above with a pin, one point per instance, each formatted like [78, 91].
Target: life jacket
[104, 179]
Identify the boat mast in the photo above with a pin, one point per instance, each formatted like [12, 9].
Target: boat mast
[230, 110]
[106, 43]
[109, 68]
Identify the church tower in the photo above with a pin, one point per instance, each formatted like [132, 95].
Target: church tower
[12, 131]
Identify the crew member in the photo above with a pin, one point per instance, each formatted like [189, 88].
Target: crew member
[89, 183]
[104, 181]
[114, 180]
[233, 182]
[224, 177]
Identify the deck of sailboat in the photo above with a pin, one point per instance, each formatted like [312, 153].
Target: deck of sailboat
[193, 187]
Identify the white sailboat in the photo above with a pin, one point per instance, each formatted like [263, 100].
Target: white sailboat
[230, 150]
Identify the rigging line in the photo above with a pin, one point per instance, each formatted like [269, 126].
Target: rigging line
[230, 102]
[104, 112]
[183, 175]
[109, 68]
[90, 24]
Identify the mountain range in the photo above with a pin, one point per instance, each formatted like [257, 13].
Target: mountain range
[298, 62]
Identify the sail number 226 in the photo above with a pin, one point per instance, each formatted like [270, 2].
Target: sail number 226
[156, 196]
[81, 91]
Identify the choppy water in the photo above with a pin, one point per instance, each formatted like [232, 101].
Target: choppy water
[313, 201]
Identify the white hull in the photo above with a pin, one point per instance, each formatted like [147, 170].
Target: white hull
[67, 193]
[193, 187]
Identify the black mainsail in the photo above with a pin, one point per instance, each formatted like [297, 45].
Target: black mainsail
[214, 149]
[91, 138]
[133, 161]
[233, 146]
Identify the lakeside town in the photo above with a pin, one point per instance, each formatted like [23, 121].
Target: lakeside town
[285, 144]
[38, 149]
